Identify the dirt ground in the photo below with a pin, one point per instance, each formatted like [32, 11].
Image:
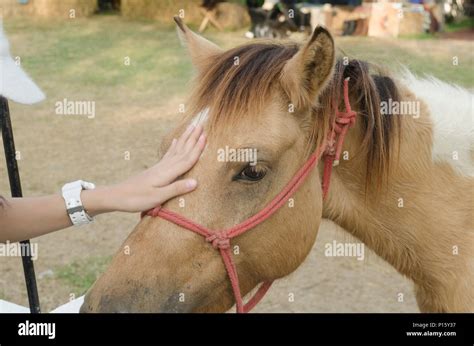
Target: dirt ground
[134, 109]
[460, 35]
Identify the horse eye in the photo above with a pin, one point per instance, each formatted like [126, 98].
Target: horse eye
[251, 173]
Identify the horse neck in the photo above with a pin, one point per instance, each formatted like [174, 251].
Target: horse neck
[396, 223]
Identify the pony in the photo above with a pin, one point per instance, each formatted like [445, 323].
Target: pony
[411, 205]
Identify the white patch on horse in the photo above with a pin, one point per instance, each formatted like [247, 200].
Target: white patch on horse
[451, 110]
[201, 117]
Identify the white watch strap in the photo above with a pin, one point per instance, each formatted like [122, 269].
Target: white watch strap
[71, 193]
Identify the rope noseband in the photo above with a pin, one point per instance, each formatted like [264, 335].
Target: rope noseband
[220, 239]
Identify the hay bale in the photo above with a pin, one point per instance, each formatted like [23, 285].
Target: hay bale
[65, 8]
[12, 8]
[48, 8]
[162, 11]
[412, 23]
[232, 16]
[415, 20]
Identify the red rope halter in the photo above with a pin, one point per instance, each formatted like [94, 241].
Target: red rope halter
[220, 239]
[342, 122]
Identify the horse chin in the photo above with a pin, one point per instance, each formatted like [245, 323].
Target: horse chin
[123, 305]
[141, 299]
[169, 306]
[147, 301]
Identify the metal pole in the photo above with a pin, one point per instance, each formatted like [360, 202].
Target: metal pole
[15, 187]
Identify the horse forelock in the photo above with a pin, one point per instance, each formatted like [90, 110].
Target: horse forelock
[239, 82]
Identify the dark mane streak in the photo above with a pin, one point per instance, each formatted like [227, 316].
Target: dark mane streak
[235, 91]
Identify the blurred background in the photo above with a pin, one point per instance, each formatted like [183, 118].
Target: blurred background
[275, 18]
[124, 55]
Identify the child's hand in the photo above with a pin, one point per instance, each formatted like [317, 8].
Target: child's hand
[26, 218]
[158, 184]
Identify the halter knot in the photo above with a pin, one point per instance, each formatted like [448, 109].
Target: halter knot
[343, 119]
[330, 149]
[219, 240]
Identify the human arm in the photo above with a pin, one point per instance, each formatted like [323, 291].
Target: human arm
[29, 217]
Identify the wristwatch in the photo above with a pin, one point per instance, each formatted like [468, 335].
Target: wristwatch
[71, 193]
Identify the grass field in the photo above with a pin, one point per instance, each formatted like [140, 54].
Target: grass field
[135, 105]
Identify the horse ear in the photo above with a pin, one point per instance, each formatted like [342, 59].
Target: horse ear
[307, 72]
[199, 48]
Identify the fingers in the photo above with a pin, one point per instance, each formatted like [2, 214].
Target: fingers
[172, 148]
[188, 139]
[193, 138]
[195, 153]
[177, 188]
[181, 156]
[184, 137]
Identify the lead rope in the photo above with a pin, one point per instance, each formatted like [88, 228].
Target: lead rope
[221, 239]
[342, 122]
